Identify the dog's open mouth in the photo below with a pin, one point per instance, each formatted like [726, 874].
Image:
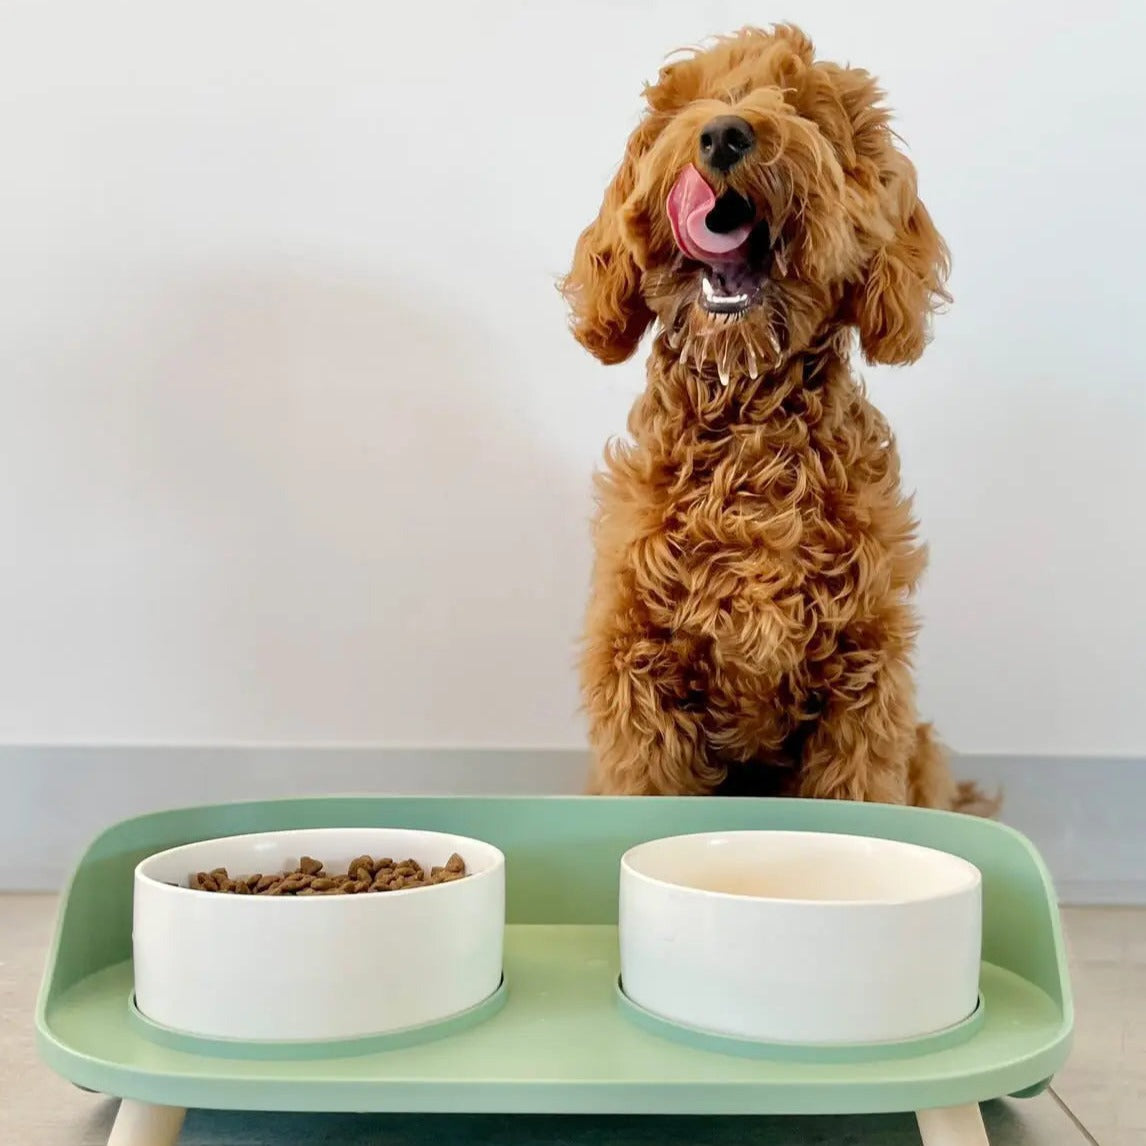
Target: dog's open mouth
[724, 236]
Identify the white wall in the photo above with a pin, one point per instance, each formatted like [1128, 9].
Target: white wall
[295, 447]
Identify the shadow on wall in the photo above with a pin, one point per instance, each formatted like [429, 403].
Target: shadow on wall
[359, 516]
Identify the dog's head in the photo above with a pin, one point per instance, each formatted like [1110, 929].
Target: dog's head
[762, 204]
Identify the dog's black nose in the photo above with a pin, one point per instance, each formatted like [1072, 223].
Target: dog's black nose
[725, 141]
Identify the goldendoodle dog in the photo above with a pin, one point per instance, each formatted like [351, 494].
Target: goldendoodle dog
[750, 628]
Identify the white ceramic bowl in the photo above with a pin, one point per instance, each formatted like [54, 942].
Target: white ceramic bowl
[317, 967]
[800, 937]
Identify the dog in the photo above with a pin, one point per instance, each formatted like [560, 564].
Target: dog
[750, 628]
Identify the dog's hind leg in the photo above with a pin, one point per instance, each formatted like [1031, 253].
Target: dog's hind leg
[929, 781]
[932, 785]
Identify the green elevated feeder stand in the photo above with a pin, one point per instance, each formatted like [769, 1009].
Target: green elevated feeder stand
[558, 1038]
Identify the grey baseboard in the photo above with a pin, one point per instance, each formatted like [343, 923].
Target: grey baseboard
[1083, 813]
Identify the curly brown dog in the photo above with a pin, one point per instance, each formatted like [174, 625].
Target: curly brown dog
[750, 629]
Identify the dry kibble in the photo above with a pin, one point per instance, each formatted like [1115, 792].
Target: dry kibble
[363, 875]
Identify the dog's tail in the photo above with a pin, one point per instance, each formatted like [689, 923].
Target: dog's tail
[973, 801]
[932, 786]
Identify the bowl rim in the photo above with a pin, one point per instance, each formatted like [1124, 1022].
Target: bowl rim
[972, 877]
[141, 876]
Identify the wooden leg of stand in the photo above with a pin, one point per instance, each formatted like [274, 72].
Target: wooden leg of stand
[141, 1124]
[952, 1126]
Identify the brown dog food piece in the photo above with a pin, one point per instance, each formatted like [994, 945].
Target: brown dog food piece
[310, 878]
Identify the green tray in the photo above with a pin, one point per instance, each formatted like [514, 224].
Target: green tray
[559, 1041]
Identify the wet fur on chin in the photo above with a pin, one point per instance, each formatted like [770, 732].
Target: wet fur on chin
[750, 628]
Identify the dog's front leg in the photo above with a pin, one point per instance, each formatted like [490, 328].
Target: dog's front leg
[646, 737]
[862, 746]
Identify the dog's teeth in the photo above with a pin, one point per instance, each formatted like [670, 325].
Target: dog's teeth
[724, 364]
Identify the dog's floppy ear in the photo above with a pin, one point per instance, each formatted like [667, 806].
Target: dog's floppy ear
[608, 314]
[905, 281]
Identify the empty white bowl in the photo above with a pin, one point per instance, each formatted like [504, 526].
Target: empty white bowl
[801, 937]
[317, 967]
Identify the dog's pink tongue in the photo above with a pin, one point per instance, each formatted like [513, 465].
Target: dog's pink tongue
[688, 205]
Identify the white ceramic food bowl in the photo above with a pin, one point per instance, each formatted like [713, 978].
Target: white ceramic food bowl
[317, 967]
[800, 937]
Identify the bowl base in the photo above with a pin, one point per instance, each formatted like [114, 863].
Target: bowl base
[701, 1039]
[311, 1049]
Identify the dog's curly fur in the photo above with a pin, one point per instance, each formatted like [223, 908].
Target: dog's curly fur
[750, 628]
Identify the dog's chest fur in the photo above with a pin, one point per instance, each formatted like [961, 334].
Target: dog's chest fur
[764, 530]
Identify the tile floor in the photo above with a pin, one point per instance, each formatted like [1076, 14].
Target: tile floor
[1100, 1097]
